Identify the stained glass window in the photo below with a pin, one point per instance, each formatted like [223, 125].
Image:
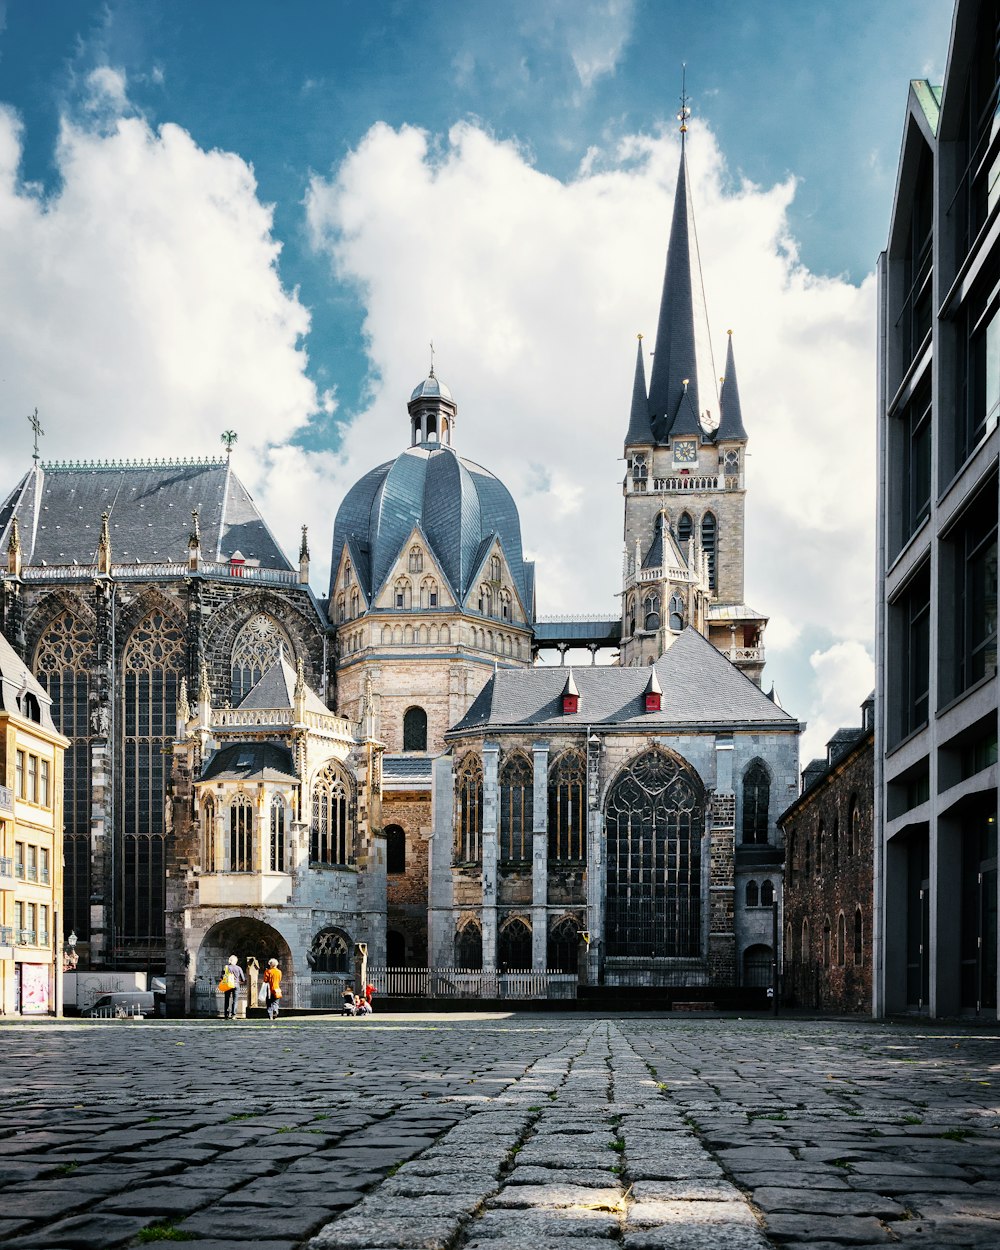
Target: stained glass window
[469, 790]
[562, 953]
[516, 802]
[756, 801]
[654, 819]
[331, 836]
[568, 807]
[241, 857]
[469, 947]
[515, 945]
[208, 856]
[277, 834]
[256, 648]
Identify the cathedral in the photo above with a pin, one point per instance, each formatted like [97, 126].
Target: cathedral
[257, 769]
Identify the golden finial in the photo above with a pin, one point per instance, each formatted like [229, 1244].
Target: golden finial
[640, 336]
[685, 112]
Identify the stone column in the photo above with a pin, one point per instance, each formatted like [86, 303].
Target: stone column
[491, 756]
[595, 863]
[540, 856]
[721, 835]
[440, 887]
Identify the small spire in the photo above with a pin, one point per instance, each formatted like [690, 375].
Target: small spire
[731, 418]
[14, 554]
[431, 374]
[204, 689]
[653, 685]
[195, 539]
[639, 431]
[304, 544]
[183, 707]
[571, 688]
[104, 545]
[300, 679]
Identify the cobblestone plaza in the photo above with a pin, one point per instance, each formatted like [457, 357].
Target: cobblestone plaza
[499, 1132]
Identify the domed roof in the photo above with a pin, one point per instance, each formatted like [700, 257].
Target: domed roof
[459, 506]
[431, 388]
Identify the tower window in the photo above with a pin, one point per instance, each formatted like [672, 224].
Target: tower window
[395, 850]
[415, 729]
[684, 528]
[709, 530]
[651, 612]
[676, 613]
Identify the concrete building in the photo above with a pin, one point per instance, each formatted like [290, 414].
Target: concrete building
[939, 398]
[829, 847]
[31, 804]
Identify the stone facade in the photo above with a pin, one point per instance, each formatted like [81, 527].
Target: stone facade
[829, 847]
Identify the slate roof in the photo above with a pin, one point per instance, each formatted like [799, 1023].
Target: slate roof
[16, 681]
[639, 429]
[276, 689]
[458, 505]
[731, 419]
[683, 344]
[401, 771]
[250, 761]
[700, 687]
[59, 512]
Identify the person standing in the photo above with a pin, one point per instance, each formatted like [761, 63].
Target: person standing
[272, 979]
[232, 978]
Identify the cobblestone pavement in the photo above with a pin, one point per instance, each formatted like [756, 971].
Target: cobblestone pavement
[499, 1133]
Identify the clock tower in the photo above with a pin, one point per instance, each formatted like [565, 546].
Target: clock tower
[684, 486]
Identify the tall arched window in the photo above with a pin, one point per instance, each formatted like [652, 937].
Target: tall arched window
[277, 834]
[515, 945]
[355, 604]
[255, 649]
[752, 894]
[676, 613]
[209, 859]
[241, 856]
[429, 594]
[835, 844]
[684, 529]
[568, 807]
[469, 803]
[65, 658]
[152, 663]
[820, 838]
[807, 858]
[854, 845]
[651, 611]
[516, 803]
[494, 568]
[395, 850]
[563, 947]
[416, 561]
[756, 802]
[826, 942]
[469, 947]
[805, 950]
[331, 951]
[791, 846]
[414, 729]
[859, 936]
[331, 835]
[630, 615]
[402, 593]
[709, 533]
[654, 820]
[767, 893]
[841, 940]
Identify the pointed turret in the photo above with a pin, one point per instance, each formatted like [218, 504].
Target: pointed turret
[731, 420]
[683, 350]
[640, 433]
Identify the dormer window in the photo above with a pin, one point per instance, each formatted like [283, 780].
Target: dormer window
[654, 694]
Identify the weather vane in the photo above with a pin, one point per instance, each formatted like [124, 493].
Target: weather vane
[685, 112]
[229, 437]
[36, 425]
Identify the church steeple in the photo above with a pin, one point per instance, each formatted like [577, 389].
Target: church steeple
[682, 385]
[731, 420]
[640, 433]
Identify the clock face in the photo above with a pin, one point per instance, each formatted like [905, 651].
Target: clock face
[685, 452]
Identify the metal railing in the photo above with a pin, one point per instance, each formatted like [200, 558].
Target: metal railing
[26, 937]
[31, 873]
[472, 983]
[6, 866]
[6, 799]
[6, 935]
[158, 570]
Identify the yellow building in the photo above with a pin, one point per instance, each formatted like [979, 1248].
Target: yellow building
[31, 804]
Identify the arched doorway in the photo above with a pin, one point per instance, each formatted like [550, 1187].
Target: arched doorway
[246, 938]
[757, 966]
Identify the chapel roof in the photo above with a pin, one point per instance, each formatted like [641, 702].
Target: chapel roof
[276, 689]
[250, 761]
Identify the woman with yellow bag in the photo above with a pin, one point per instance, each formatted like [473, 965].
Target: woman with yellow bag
[232, 978]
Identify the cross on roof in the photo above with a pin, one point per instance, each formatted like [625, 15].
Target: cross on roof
[36, 425]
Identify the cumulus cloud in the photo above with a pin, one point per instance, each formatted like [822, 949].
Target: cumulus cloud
[533, 290]
[845, 676]
[143, 310]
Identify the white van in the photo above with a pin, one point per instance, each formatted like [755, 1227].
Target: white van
[124, 1003]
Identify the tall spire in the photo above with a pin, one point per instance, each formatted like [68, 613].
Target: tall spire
[639, 431]
[731, 422]
[683, 351]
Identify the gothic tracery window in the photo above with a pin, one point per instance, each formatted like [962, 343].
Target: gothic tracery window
[65, 658]
[469, 947]
[152, 663]
[331, 833]
[241, 822]
[277, 834]
[654, 819]
[416, 560]
[568, 807]
[331, 951]
[256, 648]
[676, 613]
[208, 856]
[756, 802]
[402, 593]
[516, 804]
[563, 946]
[514, 950]
[469, 802]
[651, 611]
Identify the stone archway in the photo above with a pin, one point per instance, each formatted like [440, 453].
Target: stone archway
[244, 937]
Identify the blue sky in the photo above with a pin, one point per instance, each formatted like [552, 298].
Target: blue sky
[324, 106]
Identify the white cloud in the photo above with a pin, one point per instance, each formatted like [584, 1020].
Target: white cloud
[143, 312]
[845, 676]
[533, 290]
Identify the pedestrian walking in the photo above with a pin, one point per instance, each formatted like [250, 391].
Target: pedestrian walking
[272, 979]
[232, 978]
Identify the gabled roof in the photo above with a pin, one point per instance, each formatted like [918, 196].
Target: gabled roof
[276, 689]
[683, 344]
[700, 687]
[250, 761]
[149, 505]
[16, 681]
